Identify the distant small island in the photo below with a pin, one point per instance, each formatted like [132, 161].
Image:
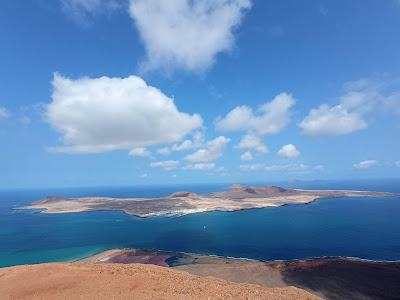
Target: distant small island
[239, 197]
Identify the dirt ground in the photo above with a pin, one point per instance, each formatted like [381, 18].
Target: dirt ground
[133, 281]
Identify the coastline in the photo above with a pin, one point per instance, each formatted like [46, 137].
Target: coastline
[105, 253]
[328, 278]
[185, 203]
[174, 214]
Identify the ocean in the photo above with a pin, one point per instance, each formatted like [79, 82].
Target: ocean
[367, 228]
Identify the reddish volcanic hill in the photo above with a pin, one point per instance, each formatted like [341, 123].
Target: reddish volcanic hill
[239, 191]
[183, 195]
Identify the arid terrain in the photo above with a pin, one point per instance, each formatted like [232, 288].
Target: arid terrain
[182, 203]
[328, 278]
[152, 274]
[134, 281]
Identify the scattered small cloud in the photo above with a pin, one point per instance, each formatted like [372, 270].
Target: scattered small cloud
[105, 114]
[214, 150]
[250, 141]
[164, 151]
[366, 164]
[294, 168]
[319, 168]
[3, 113]
[289, 151]
[291, 168]
[246, 156]
[373, 164]
[272, 117]
[82, 11]
[166, 165]
[200, 167]
[197, 142]
[185, 145]
[144, 176]
[252, 167]
[140, 152]
[186, 34]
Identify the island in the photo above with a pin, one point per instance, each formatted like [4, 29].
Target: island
[238, 197]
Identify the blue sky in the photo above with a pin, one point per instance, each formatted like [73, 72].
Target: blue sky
[135, 92]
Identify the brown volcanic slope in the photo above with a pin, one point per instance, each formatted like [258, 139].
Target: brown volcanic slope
[183, 203]
[136, 281]
[329, 278]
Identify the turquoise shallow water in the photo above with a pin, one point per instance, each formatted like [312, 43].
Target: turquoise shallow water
[367, 228]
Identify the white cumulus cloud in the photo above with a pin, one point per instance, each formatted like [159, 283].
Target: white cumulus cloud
[327, 121]
[366, 164]
[164, 151]
[185, 145]
[250, 141]
[214, 150]
[360, 97]
[246, 156]
[186, 34]
[105, 114]
[166, 165]
[200, 167]
[140, 152]
[271, 117]
[288, 151]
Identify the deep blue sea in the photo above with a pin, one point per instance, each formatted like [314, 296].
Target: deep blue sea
[367, 228]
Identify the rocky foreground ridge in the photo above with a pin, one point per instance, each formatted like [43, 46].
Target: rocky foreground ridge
[136, 281]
